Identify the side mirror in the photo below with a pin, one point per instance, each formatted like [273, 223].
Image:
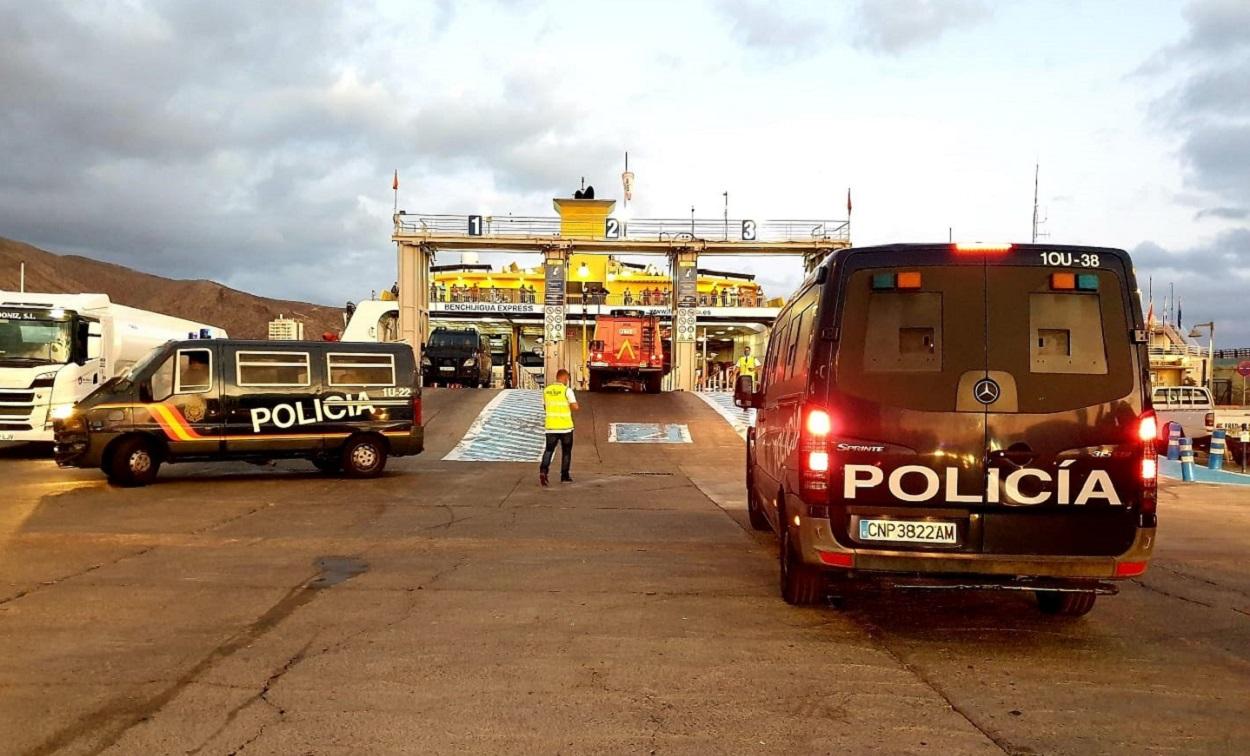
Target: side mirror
[744, 393]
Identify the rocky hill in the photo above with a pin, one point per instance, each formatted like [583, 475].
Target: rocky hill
[243, 315]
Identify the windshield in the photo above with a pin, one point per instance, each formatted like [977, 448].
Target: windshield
[453, 340]
[142, 365]
[34, 342]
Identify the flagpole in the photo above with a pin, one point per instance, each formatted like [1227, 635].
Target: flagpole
[395, 188]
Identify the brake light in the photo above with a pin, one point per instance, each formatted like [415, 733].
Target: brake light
[416, 410]
[982, 247]
[814, 457]
[1129, 569]
[818, 422]
[1147, 432]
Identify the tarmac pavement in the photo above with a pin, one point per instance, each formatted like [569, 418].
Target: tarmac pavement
[456, 606]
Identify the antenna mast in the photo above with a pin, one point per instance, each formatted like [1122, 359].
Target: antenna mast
[1037, 221]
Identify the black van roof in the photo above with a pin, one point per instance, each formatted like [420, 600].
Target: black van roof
[278, 345]
[903, 249]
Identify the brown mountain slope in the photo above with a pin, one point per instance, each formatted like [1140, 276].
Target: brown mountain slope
[243, 315]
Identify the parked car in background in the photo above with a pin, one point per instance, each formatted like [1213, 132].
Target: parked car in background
[457, 356]
[1190, 407]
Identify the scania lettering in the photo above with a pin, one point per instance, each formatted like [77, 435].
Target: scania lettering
[57, 348]
[937, 414]
[345, 407]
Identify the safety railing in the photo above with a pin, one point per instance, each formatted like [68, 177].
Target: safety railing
[639, 229]
[641, 298]
[1178, 350]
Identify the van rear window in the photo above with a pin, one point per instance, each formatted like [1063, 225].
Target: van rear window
[914, 348]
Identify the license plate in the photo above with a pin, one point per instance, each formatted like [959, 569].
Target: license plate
[8, 436]
[908, 531]
[447, 369]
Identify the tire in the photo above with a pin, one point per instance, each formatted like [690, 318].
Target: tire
[801, 584]
[134, 462]
[653, 384]
[363, 457]
[596, 382]
[755, 513]
[1066, 604]
[328, 465]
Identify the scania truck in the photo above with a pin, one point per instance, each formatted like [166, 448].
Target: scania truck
[56, 348]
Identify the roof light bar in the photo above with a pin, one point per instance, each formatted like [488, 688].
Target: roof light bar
[909, 279]
[1063, 280]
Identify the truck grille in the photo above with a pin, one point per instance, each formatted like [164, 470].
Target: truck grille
[22, 397]
[15, 410]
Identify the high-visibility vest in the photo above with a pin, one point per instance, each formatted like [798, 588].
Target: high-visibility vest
[747, 365]
[556, 402]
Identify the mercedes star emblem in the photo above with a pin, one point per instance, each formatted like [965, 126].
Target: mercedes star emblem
[986, 391]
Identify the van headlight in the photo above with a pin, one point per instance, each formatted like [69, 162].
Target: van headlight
[62, 412]
[470, 362]
[425, 362]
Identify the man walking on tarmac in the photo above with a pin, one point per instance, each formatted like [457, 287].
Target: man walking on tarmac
[559, 403]
[747, 365]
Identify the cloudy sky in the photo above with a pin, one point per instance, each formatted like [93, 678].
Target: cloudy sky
[253, 143]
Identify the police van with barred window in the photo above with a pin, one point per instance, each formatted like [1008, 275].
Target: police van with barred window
[936, 415]
[346, 407]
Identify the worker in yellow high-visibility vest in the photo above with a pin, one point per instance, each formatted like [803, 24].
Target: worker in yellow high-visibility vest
[748, 366]
[559, 404]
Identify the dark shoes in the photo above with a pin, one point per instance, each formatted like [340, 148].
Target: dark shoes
[542, 479]
[565, 479]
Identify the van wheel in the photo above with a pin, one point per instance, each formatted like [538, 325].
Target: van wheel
[134, 462]
[1065, 604]
[801, 584]
[364, 457]
[754, 512]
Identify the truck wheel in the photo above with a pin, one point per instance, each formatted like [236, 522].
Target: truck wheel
[1065, 604]
[134, 462]
[653, 384]
[801, 584]
[364, 457]
[596, 382]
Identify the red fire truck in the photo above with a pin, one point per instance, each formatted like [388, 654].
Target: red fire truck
[630, 347]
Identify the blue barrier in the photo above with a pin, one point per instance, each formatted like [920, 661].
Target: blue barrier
[1215, 459]
[1174, 441]
[1187, 459]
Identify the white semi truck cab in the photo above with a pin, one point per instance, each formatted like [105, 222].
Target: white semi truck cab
[57, 348]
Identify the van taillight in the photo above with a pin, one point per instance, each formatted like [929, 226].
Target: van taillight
[1147, 432]
[814, 461]
[416, 410]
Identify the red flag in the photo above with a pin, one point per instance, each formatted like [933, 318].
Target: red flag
[395, 183]
[848, 200]
[1150, 315]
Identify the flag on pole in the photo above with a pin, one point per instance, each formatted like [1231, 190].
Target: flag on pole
[1150, 315]
[395, 183]
[848, 201]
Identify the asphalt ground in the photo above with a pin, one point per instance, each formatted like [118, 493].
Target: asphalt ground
[457, 607]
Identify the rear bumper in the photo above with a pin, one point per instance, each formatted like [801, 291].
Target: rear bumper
[818, 547]
[408, 444]
[459, 375]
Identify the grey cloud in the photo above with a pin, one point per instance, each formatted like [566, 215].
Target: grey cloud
[1208, 279]
[773, 28]
[1225, 213]
[233, 141]
[896, 26]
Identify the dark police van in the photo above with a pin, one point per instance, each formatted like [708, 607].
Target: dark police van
[936, 415]
[457, 356]
[344, 406]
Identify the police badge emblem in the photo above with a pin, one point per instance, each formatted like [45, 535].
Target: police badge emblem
[194, 409]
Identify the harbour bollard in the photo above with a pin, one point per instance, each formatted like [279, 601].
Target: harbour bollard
[1187, 459]
[1215, 460]
[1174, 441]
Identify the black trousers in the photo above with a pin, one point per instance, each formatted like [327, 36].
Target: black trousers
[565, 440]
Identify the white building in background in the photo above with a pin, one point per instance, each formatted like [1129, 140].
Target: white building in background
[286, 329]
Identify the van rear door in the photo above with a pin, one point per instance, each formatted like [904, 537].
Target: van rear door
[911, 349]
[1063, 463]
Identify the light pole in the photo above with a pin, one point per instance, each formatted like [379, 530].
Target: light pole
[583, 272]
[1209, 373]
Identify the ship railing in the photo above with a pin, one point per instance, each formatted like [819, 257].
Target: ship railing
[1177, 350]
[639, 229]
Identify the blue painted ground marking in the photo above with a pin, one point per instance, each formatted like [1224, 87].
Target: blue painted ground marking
[1172, 469]
[508, 429]
[649, 433]
[723, 403]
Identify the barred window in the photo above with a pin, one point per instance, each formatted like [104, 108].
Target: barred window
[273, 368]
[360, 369]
